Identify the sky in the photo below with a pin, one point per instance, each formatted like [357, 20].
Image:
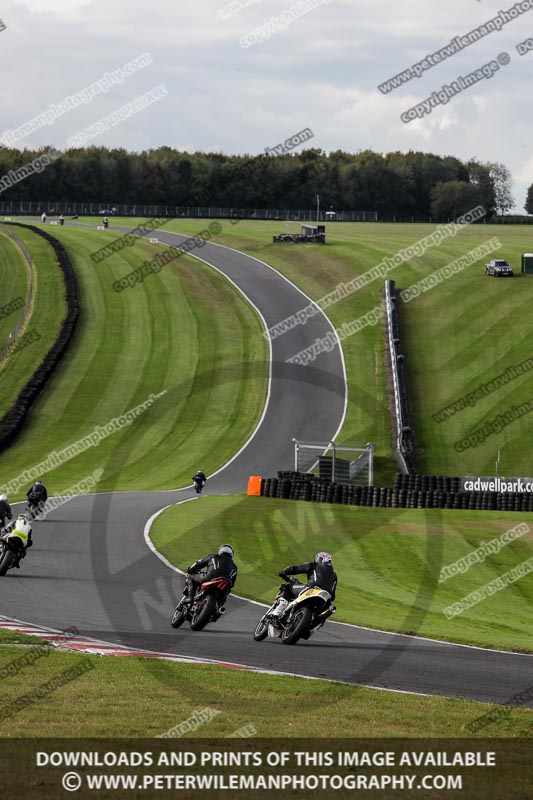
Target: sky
[244, 76]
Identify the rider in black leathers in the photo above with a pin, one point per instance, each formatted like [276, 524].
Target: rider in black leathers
[5, 510]
[199, 480]
[319, 573]
[219, 565]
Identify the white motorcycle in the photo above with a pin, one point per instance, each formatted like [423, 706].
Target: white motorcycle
[302, 617]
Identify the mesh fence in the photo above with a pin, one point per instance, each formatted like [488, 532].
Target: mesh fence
[336, 462]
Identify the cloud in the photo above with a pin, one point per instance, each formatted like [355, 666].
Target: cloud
[321, 72]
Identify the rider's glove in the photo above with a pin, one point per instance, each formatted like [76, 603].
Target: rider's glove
[190, 570]
[282, 573]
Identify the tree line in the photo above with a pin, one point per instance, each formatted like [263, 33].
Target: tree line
[396, 185]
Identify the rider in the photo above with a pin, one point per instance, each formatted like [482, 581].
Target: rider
[199, 480]
[22, 532]
[106, 222]
[37, 494]
[319, 572]
[61, 219]
[5, 510]
[219, 565]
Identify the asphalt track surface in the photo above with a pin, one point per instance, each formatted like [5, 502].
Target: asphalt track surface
[91, 567]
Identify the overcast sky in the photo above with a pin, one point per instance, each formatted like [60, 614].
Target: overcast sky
[321, 72]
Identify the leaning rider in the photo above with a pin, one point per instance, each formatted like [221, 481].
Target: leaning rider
[219, 565]
[5, 510]
[21, 532]
[320, 573]
[37, 495]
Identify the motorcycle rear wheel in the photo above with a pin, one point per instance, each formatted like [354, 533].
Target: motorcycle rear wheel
[261, 629]
[6, 561]
[300, 623]
[202, 617]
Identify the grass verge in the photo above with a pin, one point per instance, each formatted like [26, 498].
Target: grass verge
[186, 333]
[49, 309]
[99, 703]
[389, 561]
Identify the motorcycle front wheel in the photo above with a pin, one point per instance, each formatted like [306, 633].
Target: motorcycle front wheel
[261, 629]
[178, 617]
[202, 617]
[300, 623]
[6, 561]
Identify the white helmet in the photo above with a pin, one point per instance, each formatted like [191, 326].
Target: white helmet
[22, 517]
[323, 558]
[3, 497]
[226, 549]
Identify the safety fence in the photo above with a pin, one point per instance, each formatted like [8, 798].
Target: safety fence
[403, 430]
[12, 422]
[409, 491]
[34, 208]
[26, 310]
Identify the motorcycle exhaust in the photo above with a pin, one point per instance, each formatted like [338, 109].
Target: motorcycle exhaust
[222, 610]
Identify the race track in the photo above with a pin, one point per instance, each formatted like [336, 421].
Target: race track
[91, 567]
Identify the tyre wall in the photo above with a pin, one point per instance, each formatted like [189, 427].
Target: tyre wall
[13, 422]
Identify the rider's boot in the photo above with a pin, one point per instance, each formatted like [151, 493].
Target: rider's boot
[280, 608]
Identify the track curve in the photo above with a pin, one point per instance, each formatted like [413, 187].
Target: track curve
[91, 567]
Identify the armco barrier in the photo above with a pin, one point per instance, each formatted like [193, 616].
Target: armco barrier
[12, 423]
[409, 491]
[404, 439]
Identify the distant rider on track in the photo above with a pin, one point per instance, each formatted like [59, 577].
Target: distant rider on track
[199, 480]
[37, 497]
[319, 573]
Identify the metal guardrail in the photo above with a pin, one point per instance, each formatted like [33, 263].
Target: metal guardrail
[36, 208]
[14, 332]
[403, 448]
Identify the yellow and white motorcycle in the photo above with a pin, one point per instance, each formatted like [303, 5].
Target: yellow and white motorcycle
[302, 617]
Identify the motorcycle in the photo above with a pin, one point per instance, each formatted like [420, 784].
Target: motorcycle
[302, 617]
[34, 506]
[207, 606]
[11, 551]
[199, 484]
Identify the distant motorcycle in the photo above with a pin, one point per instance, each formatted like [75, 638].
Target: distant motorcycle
[199, 484]
[207, 606]
[35, 505]
[303, 616]
[11, 551]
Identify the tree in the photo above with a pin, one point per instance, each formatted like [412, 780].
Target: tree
[451, 199]
[480, 175]
[502, 187]
[529, 200]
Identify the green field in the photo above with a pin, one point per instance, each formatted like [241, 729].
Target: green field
[14, 280]
[460, 334]
[186, 333]
[388, 561]
[99, 703]
[47, 314]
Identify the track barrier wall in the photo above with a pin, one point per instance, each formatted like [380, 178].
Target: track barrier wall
[13, 422]
[409, 491]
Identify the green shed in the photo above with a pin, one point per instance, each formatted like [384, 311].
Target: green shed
[527, 264]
